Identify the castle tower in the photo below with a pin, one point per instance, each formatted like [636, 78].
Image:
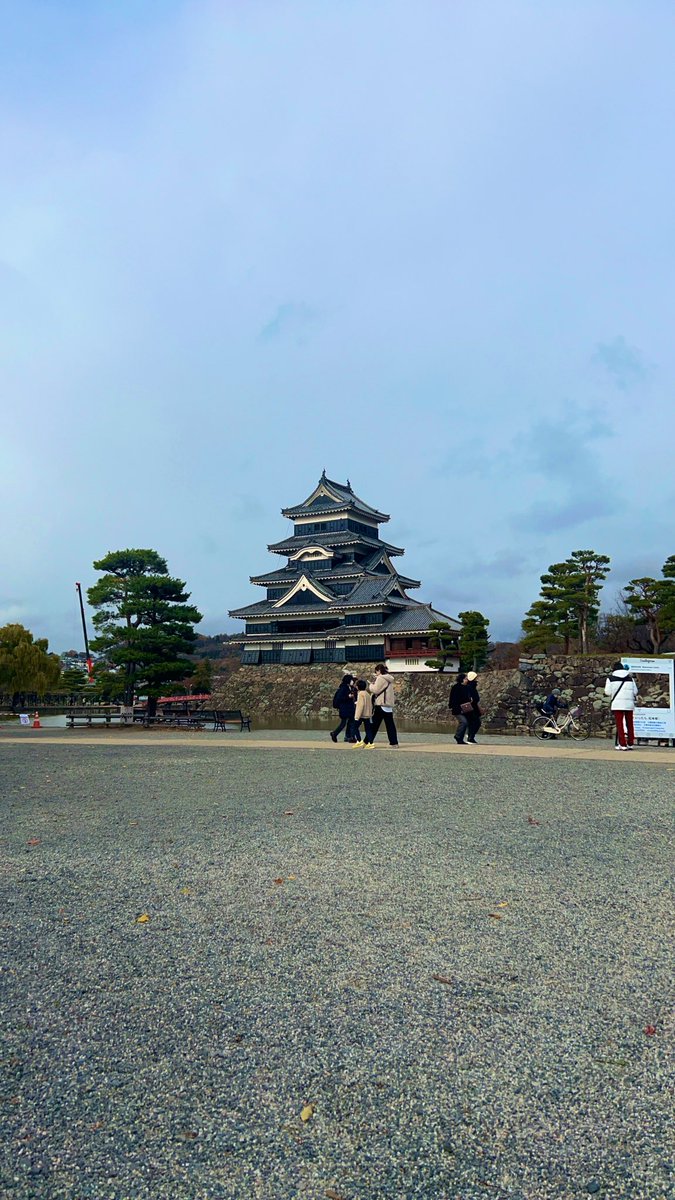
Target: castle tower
[339, 597]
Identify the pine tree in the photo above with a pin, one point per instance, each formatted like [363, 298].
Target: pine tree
[443, 639]
[474, 645]
[144, 623]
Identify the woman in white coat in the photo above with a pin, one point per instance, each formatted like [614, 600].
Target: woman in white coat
[622, 689]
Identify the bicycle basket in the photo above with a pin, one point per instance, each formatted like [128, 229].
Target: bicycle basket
[576, 712]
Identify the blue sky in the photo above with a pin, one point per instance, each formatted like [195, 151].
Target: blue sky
[428, 247]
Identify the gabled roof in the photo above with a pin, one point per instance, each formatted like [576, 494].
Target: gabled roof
[328, 495]
[306, 584]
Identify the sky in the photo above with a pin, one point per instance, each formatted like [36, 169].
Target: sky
[428, 247]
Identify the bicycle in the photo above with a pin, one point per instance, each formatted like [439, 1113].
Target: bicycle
[548, 727]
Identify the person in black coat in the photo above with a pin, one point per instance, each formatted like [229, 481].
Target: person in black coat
[463, 694]
[345, 702]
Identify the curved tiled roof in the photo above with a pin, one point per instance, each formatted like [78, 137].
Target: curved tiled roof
[331, 539]
[343, 496]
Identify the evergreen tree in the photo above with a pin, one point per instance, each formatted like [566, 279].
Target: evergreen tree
[73, 680]
[144, 623]
[26, 664]
[474, 645]
[568, 605]
[651, 602]
[591, 571]
[202, 678]
[443, 640]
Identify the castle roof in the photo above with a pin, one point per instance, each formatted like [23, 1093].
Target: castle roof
[288, 545]
[329, 496]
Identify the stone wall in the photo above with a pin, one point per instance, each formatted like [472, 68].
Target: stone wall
[508, 698]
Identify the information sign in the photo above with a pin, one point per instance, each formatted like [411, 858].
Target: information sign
[654, 721]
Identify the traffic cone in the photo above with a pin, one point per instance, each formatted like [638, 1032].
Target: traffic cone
[36, 720]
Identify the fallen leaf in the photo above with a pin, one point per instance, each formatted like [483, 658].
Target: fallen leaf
[289, 812]
[497, 916]
[441, 979]
[504, 904]
[142, 919]
[650, 1030]
[279, 880]
[290, 877]
[33, 842]
[188, 1135]
[185, 892]
[332, 1194]
[531, 821]
[307, 1112]
[97, 1125]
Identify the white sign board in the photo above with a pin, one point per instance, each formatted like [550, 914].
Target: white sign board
[24, 719]
[654, 722]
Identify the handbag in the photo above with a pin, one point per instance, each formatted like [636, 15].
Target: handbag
[466, 707]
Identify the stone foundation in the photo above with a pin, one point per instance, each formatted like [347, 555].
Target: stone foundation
[508, 698]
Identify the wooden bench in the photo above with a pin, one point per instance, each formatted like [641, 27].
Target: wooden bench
[222, 717]
[85, 716]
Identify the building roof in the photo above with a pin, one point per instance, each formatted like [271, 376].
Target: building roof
[331, 539]
[329, 496]
[415, 619]
[418, 620]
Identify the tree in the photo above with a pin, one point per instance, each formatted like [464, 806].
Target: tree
[651, 602]
[144, 622]
[73, 680]
[443, 639]
[26, 664]
[202, 678]
[591, 571]
[568, 605]
[474, 645]
[645, 600]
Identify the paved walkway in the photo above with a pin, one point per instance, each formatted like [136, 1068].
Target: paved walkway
[596, 749]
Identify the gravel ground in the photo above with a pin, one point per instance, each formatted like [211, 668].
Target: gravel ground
[457, 962]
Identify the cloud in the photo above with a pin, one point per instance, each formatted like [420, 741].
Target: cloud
[575, 490]
[289, 321]
[625, 364]
[504, 564]
[545, 518]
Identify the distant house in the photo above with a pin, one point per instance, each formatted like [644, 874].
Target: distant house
[339, 598]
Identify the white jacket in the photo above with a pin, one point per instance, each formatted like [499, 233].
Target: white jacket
[623, 694]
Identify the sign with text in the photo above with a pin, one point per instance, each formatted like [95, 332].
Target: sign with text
[657, 720]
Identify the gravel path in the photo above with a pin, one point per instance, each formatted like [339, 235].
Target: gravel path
[456, 962]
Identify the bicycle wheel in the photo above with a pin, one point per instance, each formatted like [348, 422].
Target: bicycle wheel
[541, 728]
[579, 730]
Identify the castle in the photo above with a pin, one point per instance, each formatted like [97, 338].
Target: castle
[339, 597]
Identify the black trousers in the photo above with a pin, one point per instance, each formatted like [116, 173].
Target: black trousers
[378, 717]
[352, 729]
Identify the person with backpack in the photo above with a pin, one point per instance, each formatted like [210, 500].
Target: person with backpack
[344, 701]
[622, 690]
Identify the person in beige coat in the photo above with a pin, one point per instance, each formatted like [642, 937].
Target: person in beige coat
[382, 692]
[364, 710]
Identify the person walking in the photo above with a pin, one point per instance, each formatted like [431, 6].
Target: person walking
[364, 711]
[344, 701]
[464, 704]
[382, 691]
[622, 690]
